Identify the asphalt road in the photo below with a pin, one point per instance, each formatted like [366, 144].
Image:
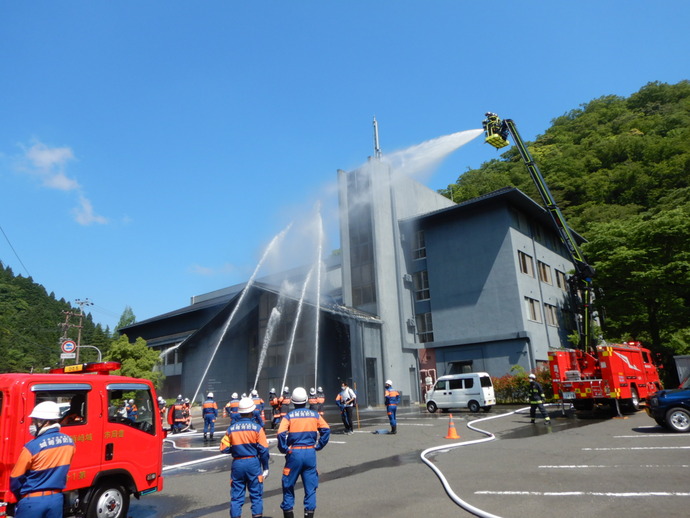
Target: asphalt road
[591, 464]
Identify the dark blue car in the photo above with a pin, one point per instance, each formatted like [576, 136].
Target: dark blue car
[671, 408]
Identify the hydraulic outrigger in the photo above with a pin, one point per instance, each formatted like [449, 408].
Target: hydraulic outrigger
[497, 132]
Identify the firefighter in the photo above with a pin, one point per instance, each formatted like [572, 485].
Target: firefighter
[346, 401]
[284, 402]
[301, 434]
[392, 400]
[132, 410]
[274, 401]
[209, 411]
[161, 407]
[536, 400]
[321, 399]
[188, 414]
[313, 400]
[259, 402]
[246, 441]
[75, 414]
[40, 474]
[232, 405]
[176, 417]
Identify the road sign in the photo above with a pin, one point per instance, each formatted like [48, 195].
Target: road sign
[68, 356]
[69, 346]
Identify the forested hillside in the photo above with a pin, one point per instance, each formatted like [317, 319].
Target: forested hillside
[30, 326]
[619, 169]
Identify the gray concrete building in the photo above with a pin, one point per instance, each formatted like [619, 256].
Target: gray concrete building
[421, 287]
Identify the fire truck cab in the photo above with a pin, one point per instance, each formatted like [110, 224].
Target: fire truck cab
[119, 445]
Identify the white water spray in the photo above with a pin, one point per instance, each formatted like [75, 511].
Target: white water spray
[296, 322]
[273, 320]
[249, 284]
[319, 252]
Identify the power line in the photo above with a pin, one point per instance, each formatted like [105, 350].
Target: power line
[15, 252]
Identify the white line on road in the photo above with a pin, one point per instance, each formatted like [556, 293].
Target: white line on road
[582, 493]
[640, 448]
[590, 466]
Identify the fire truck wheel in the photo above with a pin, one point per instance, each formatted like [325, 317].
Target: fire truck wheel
[431, 407]
[634, 402]
[678, 420]
[109, 501]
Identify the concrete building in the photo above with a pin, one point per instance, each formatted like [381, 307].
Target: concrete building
[421, 287]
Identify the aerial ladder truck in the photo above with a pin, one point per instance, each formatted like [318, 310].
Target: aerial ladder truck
[592, 373]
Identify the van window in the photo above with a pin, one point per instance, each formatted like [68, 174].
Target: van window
[455, 384]
[441, 385]
[131, 404]
[485, 381]
[469, 383]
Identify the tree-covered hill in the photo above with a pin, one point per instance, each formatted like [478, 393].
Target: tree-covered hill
[31, 326]
[619, 169]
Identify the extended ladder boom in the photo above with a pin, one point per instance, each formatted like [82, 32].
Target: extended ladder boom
[497, 132]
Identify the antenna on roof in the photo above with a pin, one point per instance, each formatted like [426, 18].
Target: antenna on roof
[377, 148]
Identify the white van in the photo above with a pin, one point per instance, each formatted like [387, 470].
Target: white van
[472, 390]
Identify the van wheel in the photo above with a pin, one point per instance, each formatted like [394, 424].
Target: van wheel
[109, 501]
[431, 407]
[473, 406]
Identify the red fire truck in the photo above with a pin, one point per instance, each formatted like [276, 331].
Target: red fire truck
[118, 454]
[621, 372]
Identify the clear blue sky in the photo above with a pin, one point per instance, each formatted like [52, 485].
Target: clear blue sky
[149, 151]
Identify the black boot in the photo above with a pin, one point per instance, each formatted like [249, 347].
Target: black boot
[308, 514]
[288, 514]
[204, 437]
[394, 429]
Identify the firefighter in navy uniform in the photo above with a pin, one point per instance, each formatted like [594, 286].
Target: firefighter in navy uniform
[320, 399]
[274, 401]
[40, 474]
[176, 417]
[246, 441]
[209, 411]
[392, 400]
[536, 400]
[301, 434]
[313, 400]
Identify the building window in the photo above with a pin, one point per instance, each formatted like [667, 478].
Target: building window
[561, 280]
[551, 315]
[526, 263]
[421, 285]
[419, 245]
[533, 312]
[425, 328]
[544, 272]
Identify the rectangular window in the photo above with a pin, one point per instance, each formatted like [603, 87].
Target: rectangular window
[533, 312]
[419, 245]
[131, 404]
[421, 285]
[551, 315]
[526, 263]
[561, 280]
[425, 328]
[544, 272]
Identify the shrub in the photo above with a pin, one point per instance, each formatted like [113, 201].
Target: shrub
[514, 387]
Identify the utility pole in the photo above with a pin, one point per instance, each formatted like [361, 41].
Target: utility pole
[81, 304]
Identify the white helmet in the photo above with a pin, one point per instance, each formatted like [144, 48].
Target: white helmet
[312, 391]
[210, 395]
[320, 389]
[273, 391]
[186, 400]
[234, 395]
[47, 410]
[130, 401]
[179, 396]
[246, 406]
[532, 376]
[299, 396]
[389, 383]
[286, 389]
[255, 393]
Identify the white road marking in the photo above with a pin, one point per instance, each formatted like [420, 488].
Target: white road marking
[639, 448]
[589, 466]
[582, 493]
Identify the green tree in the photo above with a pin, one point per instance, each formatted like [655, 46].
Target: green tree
[137, 359]
[127, 318]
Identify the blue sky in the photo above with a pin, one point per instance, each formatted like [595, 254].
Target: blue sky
[149, 151]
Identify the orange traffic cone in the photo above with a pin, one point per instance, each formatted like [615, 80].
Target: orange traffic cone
[452, 434]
